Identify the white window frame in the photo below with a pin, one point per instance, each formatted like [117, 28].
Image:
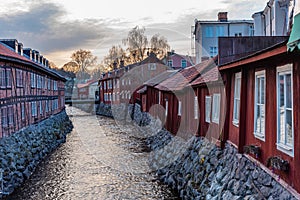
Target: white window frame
[2, 78]
[208, 109]
[8, 78]
[159, 97]
[196, 107]
[41, 108]
[258, 75]
[167, 107]
[33, 80]
[4, 118]
[22, 111]
[179, 108]
[10, 114]
[286, 148]
[33, 109]
[170, 63]
[19, 78]
[216, 108]
[236, 99]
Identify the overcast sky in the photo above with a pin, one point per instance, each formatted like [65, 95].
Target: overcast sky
[56, 28]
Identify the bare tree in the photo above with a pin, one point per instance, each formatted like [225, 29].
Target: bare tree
[84, 59]
[71, 67]
[159, 45]
[115, 55]
[137, 43]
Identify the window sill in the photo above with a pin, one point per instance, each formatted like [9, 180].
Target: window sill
[285, 149]
[235, 123]
[259, 136]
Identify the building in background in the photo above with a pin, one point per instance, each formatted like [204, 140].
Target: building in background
[207, 32]
[178, 61]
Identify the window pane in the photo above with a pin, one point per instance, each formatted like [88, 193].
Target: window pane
[258, 88]
[281, 125]
[289, 133]
[262, 90]
[258, 120]
[281, 90]
[288, 91]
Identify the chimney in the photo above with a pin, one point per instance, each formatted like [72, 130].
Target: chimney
[115, 65]
[121, 63]
[20, 49]
[222, 17]
[204, 58]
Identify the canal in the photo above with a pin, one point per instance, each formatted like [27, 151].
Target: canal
[100, 160]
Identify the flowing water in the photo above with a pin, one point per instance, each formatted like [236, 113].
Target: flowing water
[100, 160]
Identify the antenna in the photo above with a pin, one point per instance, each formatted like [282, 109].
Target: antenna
[192, 41]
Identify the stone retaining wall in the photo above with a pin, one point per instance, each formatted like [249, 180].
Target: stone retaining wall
[198, 169]
[22, 151]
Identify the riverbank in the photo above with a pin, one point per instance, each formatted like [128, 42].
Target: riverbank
[21, 152]
[198, 169]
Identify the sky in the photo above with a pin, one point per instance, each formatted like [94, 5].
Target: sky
[57, 28]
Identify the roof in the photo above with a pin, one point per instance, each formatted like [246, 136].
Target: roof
[225, 22]
[160, 78]
[294, 39]
[181, 79]
[6, 53]
[210, 76]
[82, 85]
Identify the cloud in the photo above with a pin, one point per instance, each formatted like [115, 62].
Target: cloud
[43, 27]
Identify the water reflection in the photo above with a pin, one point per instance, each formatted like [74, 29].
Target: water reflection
[98, 161]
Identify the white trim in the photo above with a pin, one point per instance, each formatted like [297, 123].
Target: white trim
[207, 109]
[167, 104]
[235, 109]
[259, 74]
[284, 70]
[216, 108]
[196, 107]
[179, 108]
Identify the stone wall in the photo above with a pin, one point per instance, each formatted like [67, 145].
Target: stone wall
[198, 169]
[204, 171]
[22, 151]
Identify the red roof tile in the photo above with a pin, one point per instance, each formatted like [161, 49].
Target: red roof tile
[184, 77]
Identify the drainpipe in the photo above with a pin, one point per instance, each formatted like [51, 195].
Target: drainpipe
[268, 4]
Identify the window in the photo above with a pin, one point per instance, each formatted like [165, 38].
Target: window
[33, 109]
[4, 116]
[207, 108]
[236, 100]
[151, 66]
[213, 51]
[220, 31]
[55, 85]
[2, 78]
[216, 108]
[123, 82]
[183, 63]
[170, 63]
[41, 108]
[159, 97]
[285, 130]
[179, 108]
[10, 115]
[49, 84]
[259, 105]
[22, 111]
[209, 31]
[8, 78]
[47, 106]
[167, 104]
[33, 80]
[196, 107]
[19, 78]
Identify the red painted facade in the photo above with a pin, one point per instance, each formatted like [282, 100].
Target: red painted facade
[29, 90]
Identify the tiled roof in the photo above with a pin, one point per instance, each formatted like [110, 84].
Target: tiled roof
[8, 54]
[82, 85]
[161, 77]
[208, 77]
[184, 77]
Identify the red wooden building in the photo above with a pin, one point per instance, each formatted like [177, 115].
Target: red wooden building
[210, 91]
[29, 90]
[263, 109]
